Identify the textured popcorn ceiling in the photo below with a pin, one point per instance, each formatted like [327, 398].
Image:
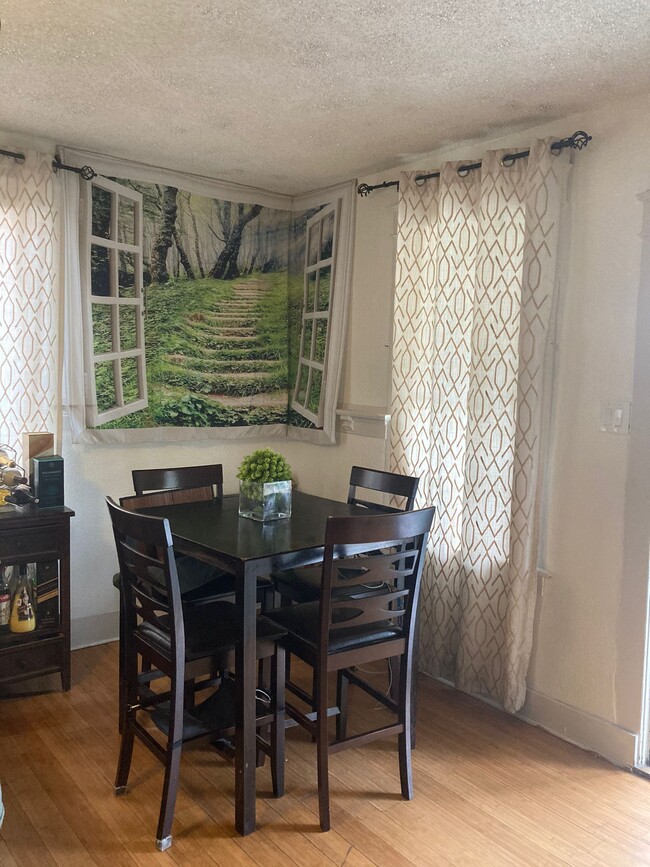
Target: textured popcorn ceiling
[291, 95]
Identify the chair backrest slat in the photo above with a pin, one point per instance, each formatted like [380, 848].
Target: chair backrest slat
[372, 608]
[382, 585]
[166, 498]
[206, 476]
[394, 484]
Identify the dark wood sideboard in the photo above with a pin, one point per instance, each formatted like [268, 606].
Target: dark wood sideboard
[30, 535]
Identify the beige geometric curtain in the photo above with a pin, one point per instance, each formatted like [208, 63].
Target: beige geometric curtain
[475, 279]
[28, 298]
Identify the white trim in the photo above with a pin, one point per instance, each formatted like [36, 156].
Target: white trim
[612, 742]
[199, 184]
[571, 724]
[363, 420]
[634, 632]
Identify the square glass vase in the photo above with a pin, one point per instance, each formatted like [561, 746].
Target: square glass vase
[265, 501]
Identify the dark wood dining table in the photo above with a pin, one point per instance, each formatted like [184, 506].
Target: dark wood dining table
[213, 532]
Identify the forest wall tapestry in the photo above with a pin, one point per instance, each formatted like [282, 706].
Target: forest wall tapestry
[204, 312]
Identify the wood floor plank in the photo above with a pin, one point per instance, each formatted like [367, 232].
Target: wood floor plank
[20, 836]
[6, 858]
[490, 790]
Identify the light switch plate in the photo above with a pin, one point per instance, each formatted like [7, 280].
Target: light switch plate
[615, 417]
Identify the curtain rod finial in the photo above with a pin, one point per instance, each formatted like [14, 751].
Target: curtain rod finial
[579, 140]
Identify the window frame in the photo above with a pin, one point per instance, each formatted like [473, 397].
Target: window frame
[113, 301]
[307, 360]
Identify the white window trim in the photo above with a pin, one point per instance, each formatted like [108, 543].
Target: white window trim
[345, 194]
[87, 240]
[305, 359]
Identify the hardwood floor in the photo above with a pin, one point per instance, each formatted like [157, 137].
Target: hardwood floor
[489, 790]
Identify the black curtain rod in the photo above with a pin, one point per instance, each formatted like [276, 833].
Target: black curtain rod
[86, 172]
[577, 141]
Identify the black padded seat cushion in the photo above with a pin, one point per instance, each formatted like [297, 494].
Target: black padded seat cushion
[302, 621]
[209, 629]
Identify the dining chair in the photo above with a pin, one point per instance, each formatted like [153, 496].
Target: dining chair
[354, 623]
[172, 638]
[303, 585]
[200, 581]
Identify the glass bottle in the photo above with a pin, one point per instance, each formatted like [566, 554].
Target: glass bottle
[5, 599]
[23, 607]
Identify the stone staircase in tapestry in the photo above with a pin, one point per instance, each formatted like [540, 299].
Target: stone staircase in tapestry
[228, 363]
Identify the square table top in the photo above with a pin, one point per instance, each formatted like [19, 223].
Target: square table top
[214, 527]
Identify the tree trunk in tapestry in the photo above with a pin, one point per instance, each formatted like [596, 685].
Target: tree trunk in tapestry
[163, 240]
[225, 268]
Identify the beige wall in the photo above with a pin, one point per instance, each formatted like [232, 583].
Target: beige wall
[585, 675]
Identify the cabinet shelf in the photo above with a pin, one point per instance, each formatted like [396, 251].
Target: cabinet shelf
[30, 535]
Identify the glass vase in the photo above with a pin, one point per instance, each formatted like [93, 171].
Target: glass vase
[265, 501]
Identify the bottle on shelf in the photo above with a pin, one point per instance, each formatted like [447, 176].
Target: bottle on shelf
[12, 476]
[21, 496]
[23, 607]
[5, 458]
[11, 577]
[5, 600]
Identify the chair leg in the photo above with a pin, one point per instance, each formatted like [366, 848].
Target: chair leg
[122, 665]
[128, 698]
[172, 767]
[404, 740]
[342, 684]
[277, 726]
[322, 750]
[124, 761]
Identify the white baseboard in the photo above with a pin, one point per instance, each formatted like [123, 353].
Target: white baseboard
[97, 629]
[616, 744]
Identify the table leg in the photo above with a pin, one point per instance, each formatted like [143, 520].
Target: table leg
[245, 679]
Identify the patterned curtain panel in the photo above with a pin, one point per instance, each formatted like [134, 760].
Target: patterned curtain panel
[476, 268]
[28, 298]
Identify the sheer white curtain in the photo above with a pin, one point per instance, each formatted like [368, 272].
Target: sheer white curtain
[29, 240]
[475, 280]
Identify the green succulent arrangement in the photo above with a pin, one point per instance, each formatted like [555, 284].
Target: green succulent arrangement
[264, 465]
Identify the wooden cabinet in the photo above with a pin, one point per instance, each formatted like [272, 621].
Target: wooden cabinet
[40, 537]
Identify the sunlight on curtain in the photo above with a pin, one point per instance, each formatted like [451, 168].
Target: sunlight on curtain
[28, 298]
[476, 266]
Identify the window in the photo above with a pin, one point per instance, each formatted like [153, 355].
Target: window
[116, 382]
[319, 270]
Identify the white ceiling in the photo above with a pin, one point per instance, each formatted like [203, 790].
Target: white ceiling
[291, 95]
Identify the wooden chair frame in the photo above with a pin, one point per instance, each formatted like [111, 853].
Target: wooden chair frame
[399, 569]
[146, 555]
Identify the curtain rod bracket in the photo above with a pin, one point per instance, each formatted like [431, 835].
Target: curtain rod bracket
[579, 140]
